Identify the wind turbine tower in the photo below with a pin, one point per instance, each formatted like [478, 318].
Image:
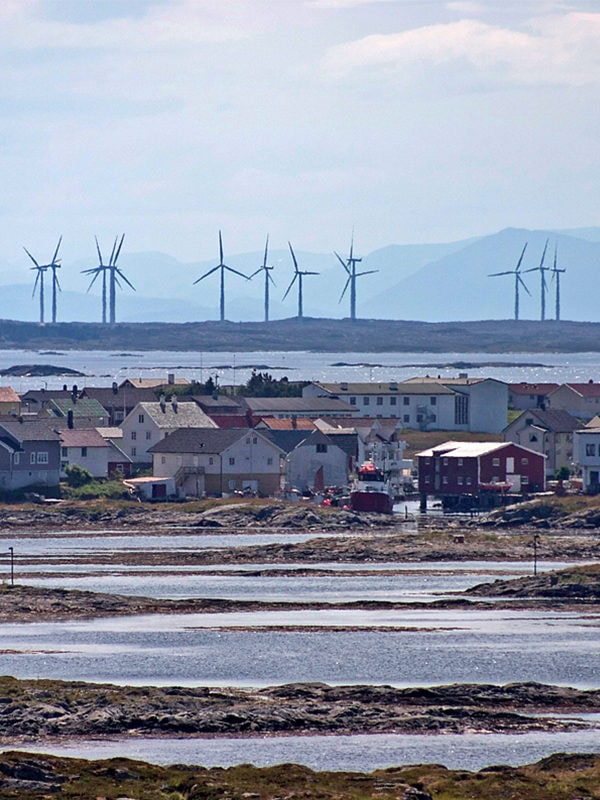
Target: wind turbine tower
[298, 276]
[39, 280]
[349, 266]
[519, 282]
[110, 279]
[543, 285]
[266, 269]
[556, 276]
[223, 269]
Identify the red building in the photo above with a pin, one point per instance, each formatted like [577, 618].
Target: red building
[470, 468]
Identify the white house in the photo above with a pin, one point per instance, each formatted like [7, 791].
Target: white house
[149, 423]
[217, 461]
[313, 460]
[586, 452]
[87, 448]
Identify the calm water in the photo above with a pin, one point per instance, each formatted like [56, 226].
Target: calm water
[198, 649]
[101, 368]
[357, 753]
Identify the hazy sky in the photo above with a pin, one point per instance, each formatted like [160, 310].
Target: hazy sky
[411, 120]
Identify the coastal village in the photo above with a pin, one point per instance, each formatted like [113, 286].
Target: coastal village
[472, 443]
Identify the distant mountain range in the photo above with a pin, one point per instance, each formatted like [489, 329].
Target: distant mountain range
[430, 282]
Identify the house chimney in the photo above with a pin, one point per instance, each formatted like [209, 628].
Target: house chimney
[115, 387]
[65, 387]
[171, 378]
[174, 403]
[70, 419]
[294, 421]
[163, 403]
[74, 393]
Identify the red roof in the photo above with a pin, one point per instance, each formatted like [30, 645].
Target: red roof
[231, 420]
[590, 389]
[532, 388]
[8, 395]
[289, 424]
[83, 437]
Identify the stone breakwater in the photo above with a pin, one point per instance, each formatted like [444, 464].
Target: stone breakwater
[31, 709]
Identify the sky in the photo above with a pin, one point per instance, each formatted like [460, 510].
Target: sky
[407, 121]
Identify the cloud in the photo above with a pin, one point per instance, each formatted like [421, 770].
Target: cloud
[341, 4]
[562, 50]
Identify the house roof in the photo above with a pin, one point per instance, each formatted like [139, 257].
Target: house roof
[389, 387]
[555, 420]
[589, 389]
[470, 449]
[445, 381]
[82, 437]
[170, 416]
[110, 433]
[532, 388]
[208, 402]
[8, 395]
[153, 383]
[232, 420]
[299, 405]
[201, 440]
[83, 407]
[124, 396]
[29, 429]
[288, 423]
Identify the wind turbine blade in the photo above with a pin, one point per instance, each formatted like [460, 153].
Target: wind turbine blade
[519, 262]
[351, 246]
[368, 272]
[522, 282]
[112, 255]
[544, 254]
[56, 251]
[341, 260]
[98, 249]
[555, 256]
[97, 272]
[287, 291]
[237, 272]
[118, 249]
[305, 272]
[56, 283]
[260, 269]
[206, 274]
[37, 277]
[344, 289]
[266, 252]
[220, 249]
[31, 257]
[269, 278]
[127, 281]
[293, 256]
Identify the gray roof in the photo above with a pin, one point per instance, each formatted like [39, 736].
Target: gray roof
[84, 407]
[29, 429]
[389, 387]
[202, 440]
[183, 415]
[298, 405]
[290, 440]
[557, 421]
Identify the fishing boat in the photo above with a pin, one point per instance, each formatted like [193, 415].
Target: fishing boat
[372, 490]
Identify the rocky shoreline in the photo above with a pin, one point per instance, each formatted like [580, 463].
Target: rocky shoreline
[34, 709]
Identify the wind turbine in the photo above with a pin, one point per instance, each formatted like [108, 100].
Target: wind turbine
[39, 279]
[266, 268]
[114, 273]
[350, 267]
[298, 275]
[543, 284]
[556, 275]
[223, 268]
[518, 279]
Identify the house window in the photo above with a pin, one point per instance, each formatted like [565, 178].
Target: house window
[380, 401]
[32, 458]
[419, 417]
[231, 461]
[141, 419]
[445, 462]
[461, 409]
[524, 480]
[269, 460]
[460, 462]
[134, 451]
[427, 479]
[427, 461]
[406, 418]
[459, 480]
[353, 401]
[433, 418]
[495, 462]
[148, 435]
[366, 401]
[211, 461]
[590, 449]
[64, 451]
[163, 459]
[524, 461]
[529, 421]
[432, 401]
[469, 481]
[17, 458]
[406, 401]
[321, 447]
[133, 436]
[393, 400]
[533, 438]
[84, 452]
[247, 440]
[42, 457]
[445, 479]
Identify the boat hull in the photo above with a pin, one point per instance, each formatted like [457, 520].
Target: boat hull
[380, 502]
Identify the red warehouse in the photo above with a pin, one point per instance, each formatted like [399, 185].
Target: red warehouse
[459, 468]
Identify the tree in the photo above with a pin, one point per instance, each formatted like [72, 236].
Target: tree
[77, 476]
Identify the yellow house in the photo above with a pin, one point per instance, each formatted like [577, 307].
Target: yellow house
[10, 402]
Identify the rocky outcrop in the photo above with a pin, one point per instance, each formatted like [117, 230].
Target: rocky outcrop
[44, 708]
[575, 584]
